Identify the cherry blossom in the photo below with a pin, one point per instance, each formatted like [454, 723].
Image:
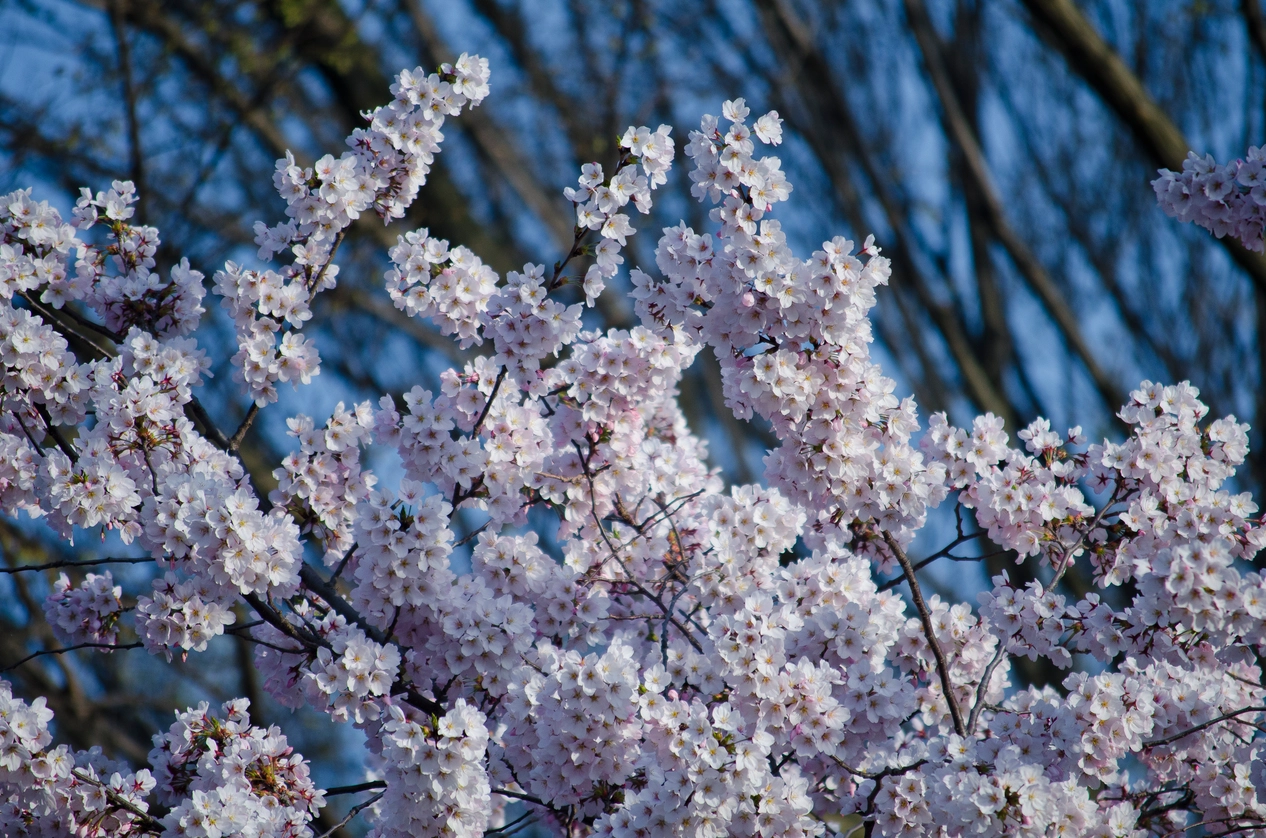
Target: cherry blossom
[671, 656]
[1224, 199]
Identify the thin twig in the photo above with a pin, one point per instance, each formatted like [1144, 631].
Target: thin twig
[1154, 743]
[472, 535]
[879, 775]
[513, 826]
[942, 666]
[88, 324]
[55, 565]
[61, 326]
[250, 638]
[672, 606]
[461, 495]
[64, 649]
[31, 439]
[208, 427]
[274, 619]
[979, 704]
[483, 414]
[313, 581]
[347, 557]
[615, 554]
[521, 796]
[897, 580]
[56, 434]
[1068, 556]
[353, 812]
[316, 281]
[946, 551]
[357, 788]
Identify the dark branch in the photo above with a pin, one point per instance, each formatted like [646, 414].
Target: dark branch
[43, 652]
[942, 666]
[357, 788]
[56, 565]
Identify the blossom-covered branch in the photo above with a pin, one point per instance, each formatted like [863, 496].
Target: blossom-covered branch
[675, 657]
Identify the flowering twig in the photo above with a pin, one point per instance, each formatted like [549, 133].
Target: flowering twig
[1068, 555]
[347, 557]
[329, 260]
[615, 554]
[148, 821]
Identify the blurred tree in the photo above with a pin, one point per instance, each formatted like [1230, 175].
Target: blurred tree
[1000, 151]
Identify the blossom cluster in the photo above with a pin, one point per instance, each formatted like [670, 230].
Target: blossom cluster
[452, 287]
[1224, 199]
[87, 613]
[352, 672]
[51, 790]
[214, 775]
[385, 165]
[40, 373]
[221, 775]
[135, 295]
[181, 615]
[437, 783]
[671, 658]
[598, 203]
[321, 483]
[791, 337]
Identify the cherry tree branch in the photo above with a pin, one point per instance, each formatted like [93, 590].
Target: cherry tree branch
[353, 812]
[235, 441]
[1156, 743]
[483, 414]
[150, 823]
[942, 666]
[944, 553]
[979, 704]
[64, 649]
[631, 580]
[358, 787]
[70, 563]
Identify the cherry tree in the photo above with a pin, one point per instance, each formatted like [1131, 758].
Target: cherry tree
[676, 658]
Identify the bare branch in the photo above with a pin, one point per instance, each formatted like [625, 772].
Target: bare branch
[358, 787]
[983, 688]
[63, 650]
[353, 812]
[71, 563]
[235, 441]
